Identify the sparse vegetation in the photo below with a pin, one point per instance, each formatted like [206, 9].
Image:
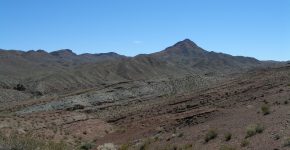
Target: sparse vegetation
[124, 147]
[210, 135]
[19, 87]
[180, 135]
[187, 147]
[287, 142]
[277, 137]
[265, 109]
[145, 145]
[227, 147]
[26, 142]
[254, 129]
[228, 136]
[180, 111]
[175, 147]
[245, 143]
[259, 128]
[251, 131]
[86, 146]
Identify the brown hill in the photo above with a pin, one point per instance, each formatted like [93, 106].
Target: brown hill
[42, 72]
[183, 97]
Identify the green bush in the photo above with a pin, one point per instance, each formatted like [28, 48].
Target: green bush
[211, 134]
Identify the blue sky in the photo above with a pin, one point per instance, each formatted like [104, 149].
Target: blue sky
[257, 28]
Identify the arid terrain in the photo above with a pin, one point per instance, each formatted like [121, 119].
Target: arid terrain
[183, 97]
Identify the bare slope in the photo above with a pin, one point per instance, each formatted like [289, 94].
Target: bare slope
[63, 71]
[168, 122]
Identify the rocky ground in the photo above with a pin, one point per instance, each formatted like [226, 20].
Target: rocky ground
[246, 111]
[183, 97]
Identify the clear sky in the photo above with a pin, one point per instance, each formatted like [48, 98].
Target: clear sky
[257, 28]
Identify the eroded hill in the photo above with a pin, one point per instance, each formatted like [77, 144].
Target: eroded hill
[183, 97]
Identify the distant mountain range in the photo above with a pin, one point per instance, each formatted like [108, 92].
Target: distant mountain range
[58, 71]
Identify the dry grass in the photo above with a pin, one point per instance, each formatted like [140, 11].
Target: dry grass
[265, 109]
[245, 143]
[253, 130]
[210, 135]
[287, 142]
[227, 147]
[26, 142]
[228, 136]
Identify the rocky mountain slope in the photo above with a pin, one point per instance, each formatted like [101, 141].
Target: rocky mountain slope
[63, 71]
[169, 98]
[247, 111]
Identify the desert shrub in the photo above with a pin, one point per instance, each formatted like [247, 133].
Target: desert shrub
[27, 142]
[287, 142]
[265, 109]
[124, 147]
[56, 146]
[145, 144]
[254, 129]
[285, 102]
[180, 135]
[245, 143]
[277, 137]
[227, 147]
[210, 135]
[86, 146]
[259, 128]
[174, 147]
[187, 147]
[250, 131]
[228, 136]
[19, 87]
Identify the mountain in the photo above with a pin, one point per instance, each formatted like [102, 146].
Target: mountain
[63, 70]
[182, 97]
[190, 56]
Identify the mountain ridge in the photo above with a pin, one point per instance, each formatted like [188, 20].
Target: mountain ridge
[184, 43]
[63, 70]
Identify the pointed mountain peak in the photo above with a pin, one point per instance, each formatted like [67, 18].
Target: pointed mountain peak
[187, 43]
[184, 48]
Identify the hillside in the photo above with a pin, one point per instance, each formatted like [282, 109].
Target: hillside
[164, 100]
[61, 71]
